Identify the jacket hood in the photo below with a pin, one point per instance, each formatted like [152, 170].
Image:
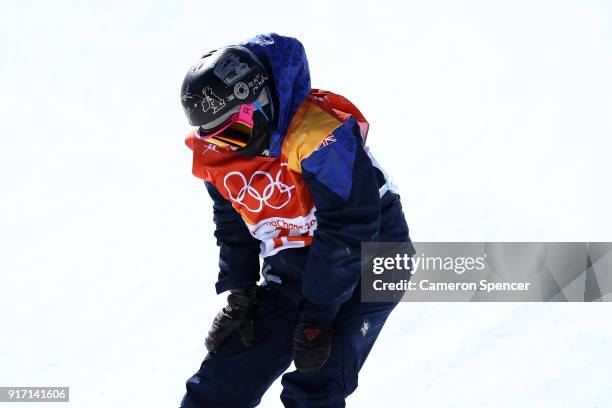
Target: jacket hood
[286, 61]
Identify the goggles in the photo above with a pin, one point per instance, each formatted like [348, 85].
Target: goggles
[237, 130]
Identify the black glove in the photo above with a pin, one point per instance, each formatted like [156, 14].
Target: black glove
[238, 314]
[311, 346]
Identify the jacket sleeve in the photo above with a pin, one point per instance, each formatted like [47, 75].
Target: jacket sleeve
[239, 251]
[344, 188]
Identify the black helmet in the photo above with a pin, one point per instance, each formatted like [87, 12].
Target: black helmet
[220, 82]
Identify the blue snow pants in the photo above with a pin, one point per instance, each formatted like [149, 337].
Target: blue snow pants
[237, 377]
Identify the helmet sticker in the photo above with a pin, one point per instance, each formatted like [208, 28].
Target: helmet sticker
[229, 68]
[198, 66]
[257, 82]
[209, 101]
[241, 90]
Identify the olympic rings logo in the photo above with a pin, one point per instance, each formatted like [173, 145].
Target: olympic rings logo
[247, 189]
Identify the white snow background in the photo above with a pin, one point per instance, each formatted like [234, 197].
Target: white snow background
[494, 117]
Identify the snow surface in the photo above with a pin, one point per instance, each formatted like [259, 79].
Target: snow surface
[493, 116]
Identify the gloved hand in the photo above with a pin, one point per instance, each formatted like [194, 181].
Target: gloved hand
[312, 345]
[237, 315]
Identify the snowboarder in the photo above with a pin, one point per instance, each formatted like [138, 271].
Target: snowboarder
[293, 184]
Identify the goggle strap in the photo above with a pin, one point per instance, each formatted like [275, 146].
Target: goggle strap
[230, 141]
[221, 142]
[245, 114]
